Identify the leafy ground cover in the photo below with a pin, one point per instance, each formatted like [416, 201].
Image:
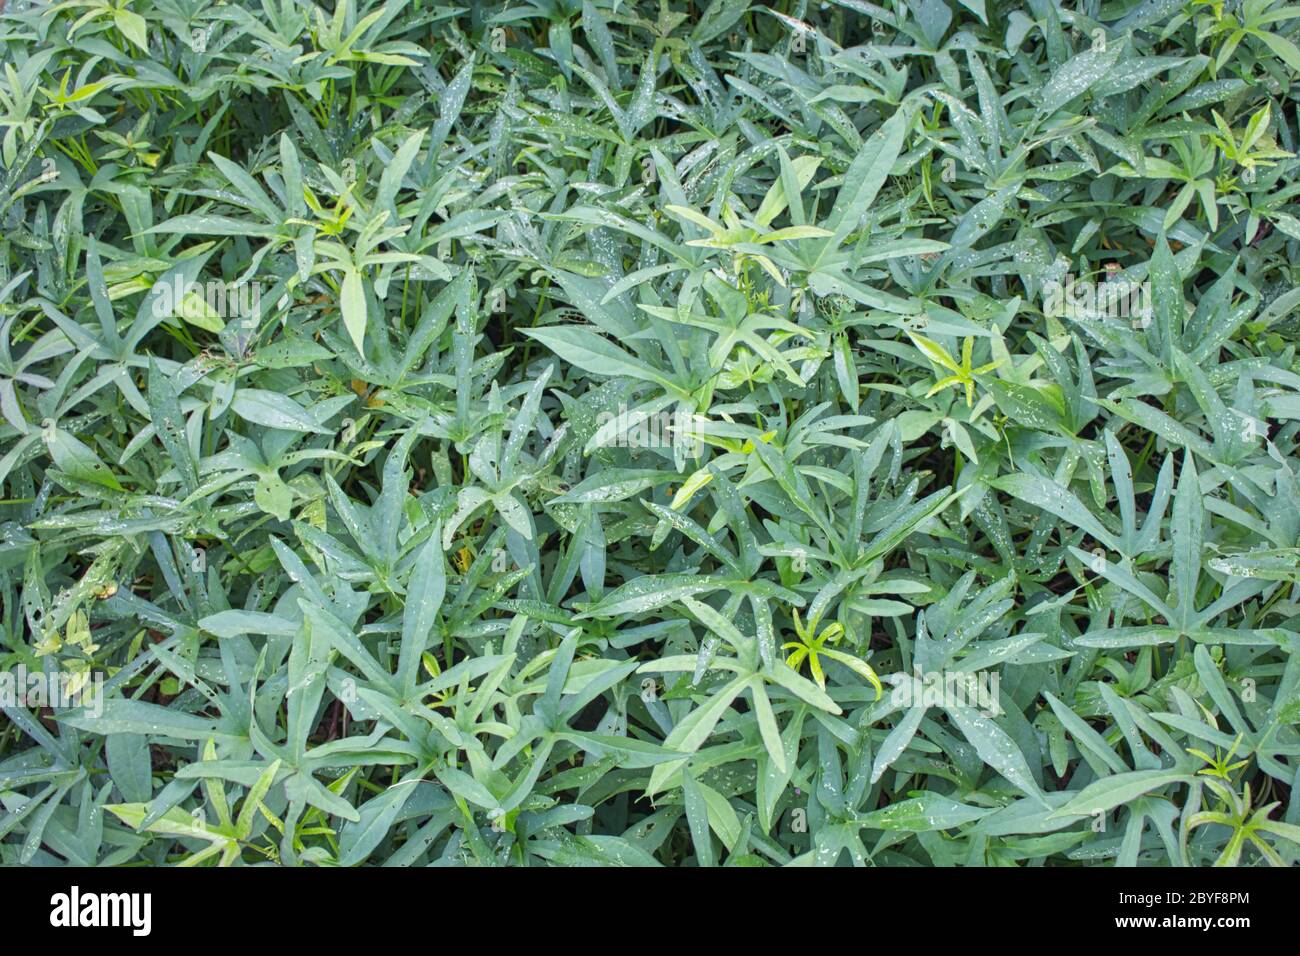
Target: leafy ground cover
[584, 431]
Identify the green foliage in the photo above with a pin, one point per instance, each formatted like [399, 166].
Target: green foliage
[629, 433]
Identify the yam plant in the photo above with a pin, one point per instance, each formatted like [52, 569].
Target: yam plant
[650, 432]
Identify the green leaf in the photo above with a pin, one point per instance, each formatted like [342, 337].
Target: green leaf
[352, 300]
[1105, 794]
